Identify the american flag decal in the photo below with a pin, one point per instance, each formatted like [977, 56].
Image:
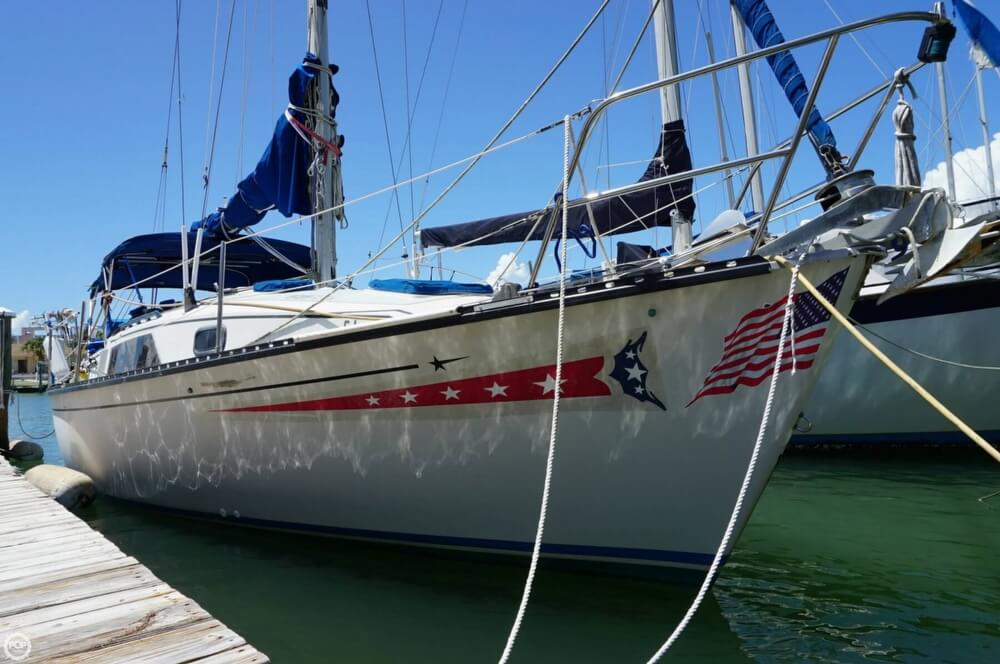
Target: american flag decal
[750, 350]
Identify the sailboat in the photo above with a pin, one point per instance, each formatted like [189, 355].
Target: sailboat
[417, 411]
[939, 333]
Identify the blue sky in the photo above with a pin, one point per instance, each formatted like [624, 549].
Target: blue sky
[87, 91]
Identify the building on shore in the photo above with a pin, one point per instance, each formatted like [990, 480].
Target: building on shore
[24, 360]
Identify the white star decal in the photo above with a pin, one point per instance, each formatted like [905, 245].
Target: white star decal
[409, 397]
[549, 384]
[497, 390]
[635, 373]
[630, 355]
[372, 400]
[638, 389]
[450, 393]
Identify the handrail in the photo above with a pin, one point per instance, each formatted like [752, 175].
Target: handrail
[830, 117]
[800, 129]
[832, 35]
[602, 106]
[669, 179]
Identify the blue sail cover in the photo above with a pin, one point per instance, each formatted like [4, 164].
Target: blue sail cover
[759, 19]
[981, 31]
[143, 256]
[281, 179]
[611, 216]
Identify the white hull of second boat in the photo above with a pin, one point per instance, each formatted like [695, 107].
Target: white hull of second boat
[435, 432]
[859, 401]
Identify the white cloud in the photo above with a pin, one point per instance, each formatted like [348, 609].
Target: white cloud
[970, 175]
[509, 270]
[23, 319]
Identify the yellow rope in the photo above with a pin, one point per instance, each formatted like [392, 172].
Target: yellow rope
[884, 359]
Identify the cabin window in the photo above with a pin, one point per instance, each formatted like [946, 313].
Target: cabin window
[205, 340]
[137, 353]
[146, 355]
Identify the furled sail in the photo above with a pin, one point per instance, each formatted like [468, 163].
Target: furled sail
[58, 364]
[621, 214]
[280, 180]
[764, 28]
[982, 32]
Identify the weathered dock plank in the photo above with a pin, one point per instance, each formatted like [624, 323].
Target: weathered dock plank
[78, 598]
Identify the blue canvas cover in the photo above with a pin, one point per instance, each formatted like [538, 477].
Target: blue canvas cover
[981, 31]
[280, 180]
[610, 216]
[429, 287]
[762, 25]
[141, 257]
[274, 285]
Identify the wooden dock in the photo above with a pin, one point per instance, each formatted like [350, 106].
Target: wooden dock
[77, 598]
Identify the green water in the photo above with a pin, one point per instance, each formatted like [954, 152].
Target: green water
[846, 559]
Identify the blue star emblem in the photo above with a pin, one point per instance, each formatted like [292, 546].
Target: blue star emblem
[631, 373]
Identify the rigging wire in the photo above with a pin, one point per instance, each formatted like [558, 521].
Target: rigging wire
[299, 219]
[510, 121]
[856, 41]
[364, 268]
[608, 61]
[245, 69]
[211, 80]
[407, 141]
[207, 177]
[385, 125]
[274, 106]
[406, 88]
[180, 115]
[444, 101]
[928, 126]
[159, 208]
[635, 47]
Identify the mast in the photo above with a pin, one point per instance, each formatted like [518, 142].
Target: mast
[746, 101]
[666, 58]
[980, 61]
[949, 167]
[670, 97]
[322, 182]
[720, 121]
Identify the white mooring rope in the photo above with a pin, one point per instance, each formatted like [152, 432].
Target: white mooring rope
[543, 510]
[751, 466]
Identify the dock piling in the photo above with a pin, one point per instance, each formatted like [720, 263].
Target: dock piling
[6, 323]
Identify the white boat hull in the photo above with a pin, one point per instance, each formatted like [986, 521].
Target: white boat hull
[858, 401]
[290, 438]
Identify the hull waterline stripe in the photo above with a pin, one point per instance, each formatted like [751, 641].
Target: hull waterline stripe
[915, 438]
[582, 551]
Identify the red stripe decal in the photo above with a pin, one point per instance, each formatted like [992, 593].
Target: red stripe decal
[579, 380]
